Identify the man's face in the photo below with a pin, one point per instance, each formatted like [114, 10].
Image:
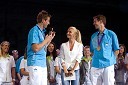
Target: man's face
[15, 54]
[46, 22]
[87, 52]
[96, 23]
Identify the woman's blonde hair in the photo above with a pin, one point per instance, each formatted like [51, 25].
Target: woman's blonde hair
[5, 42]
[77, 34]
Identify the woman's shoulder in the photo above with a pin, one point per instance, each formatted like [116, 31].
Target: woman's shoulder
[64, 43]
[79, 44]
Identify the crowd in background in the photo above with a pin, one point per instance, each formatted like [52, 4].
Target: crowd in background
[10, 62]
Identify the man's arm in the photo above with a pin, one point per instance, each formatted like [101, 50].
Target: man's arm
[19, 76]
[47, 40]
[116, 53]
[13, 74]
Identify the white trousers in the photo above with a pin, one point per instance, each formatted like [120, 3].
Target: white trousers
[103, 76]
[37, 75]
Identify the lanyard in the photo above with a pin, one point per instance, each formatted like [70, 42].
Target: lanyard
[99, 39]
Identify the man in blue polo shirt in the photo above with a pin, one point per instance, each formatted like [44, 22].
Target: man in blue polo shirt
[36, 49]
[105, 47]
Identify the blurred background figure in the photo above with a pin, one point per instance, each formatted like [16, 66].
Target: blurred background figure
[126, 65]
[58, 68]
[51, 55]
[7, 65]
[120, 66]
[24, 70]
[17, 59]
[15, 54]
[85, 67]
[58, 51]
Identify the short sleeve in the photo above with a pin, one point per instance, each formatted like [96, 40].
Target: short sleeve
[22, 65]
[12, 61]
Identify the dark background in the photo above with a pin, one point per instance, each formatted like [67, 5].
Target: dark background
[17, 17]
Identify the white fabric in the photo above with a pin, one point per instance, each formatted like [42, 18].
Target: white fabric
[57, 62]
[7, 83]
[24, 80]
[23, 64]
[5, 68]
[102, 76]
[52, 71]
[58, 76]
[37, 75]
[70, 57]
[88, 75]
[126, 59]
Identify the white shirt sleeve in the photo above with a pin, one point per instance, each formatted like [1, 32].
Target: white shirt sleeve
[56, 63]
[126, 59]
[12, 61]
[80, 53]
[22, 64]
[62, 56]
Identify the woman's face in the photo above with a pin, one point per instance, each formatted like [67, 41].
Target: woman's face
[5, 47]
[121, 51]
[70, 33]
[50, 47]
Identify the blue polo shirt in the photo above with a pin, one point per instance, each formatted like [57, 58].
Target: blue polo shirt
[18, 64]
[36, 36]
[105, 56]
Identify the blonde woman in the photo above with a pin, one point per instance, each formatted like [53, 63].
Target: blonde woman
[71, 53]
[7, 65]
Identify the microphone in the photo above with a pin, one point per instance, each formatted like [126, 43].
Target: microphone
[50, 31]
